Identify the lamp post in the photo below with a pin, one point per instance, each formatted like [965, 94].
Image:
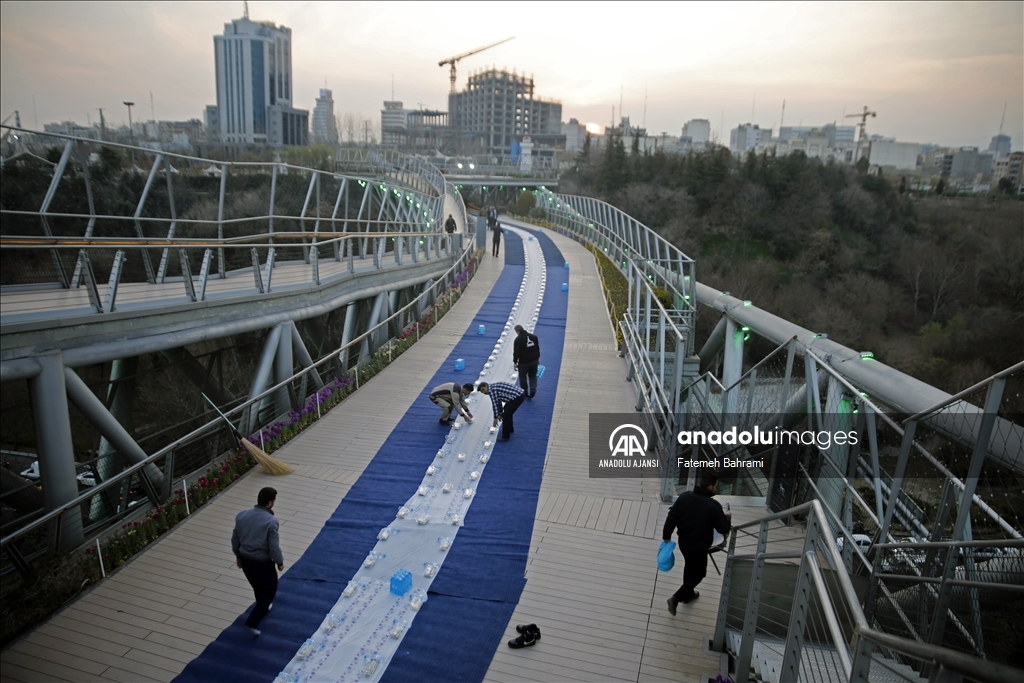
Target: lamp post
[131, 132]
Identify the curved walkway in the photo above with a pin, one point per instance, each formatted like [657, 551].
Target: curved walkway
[591, 580]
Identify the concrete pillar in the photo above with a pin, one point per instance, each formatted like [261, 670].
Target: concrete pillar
[56, 451]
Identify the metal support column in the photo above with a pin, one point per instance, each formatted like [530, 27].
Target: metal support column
[83, 398]
[56, 450]
[284, 401]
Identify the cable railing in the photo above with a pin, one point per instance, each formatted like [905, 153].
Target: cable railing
[344, 362]
[657, 328]
[790, 610]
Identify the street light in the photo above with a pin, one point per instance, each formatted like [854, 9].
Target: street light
[131, 133]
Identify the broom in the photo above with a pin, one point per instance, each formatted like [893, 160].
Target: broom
[270, 465]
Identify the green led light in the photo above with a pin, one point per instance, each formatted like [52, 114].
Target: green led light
[748, 303]
[867, 355]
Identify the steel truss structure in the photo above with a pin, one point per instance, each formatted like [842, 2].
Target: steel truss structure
[365, 240]
[812, 383]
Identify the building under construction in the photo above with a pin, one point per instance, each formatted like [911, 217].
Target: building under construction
[496, 110]
[414, 130]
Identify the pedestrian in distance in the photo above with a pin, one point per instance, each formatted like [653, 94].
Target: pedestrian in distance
[450, 396]
[495, 238]
[525, 359]
[505, 400]
[450, 225]
[696, 516]
[257, 550]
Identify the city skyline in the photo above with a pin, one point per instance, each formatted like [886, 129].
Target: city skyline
[935, 73]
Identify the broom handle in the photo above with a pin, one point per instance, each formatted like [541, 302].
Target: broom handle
[225, 417]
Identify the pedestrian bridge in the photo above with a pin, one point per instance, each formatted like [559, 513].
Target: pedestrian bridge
[584, 544]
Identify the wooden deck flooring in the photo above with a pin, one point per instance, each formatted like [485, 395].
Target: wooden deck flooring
[592, 582]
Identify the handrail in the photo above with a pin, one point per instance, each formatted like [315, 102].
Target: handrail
[991, 543]
[967, 665]
[217, 422]
[1003, 374]
[18, 242]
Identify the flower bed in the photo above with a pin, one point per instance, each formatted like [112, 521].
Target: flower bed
[60, 577]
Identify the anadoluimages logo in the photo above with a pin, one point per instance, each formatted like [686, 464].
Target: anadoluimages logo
[625, 440]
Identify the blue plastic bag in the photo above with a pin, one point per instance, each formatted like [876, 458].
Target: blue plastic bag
[667, 556]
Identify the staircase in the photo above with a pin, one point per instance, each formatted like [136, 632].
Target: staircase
[819, 663]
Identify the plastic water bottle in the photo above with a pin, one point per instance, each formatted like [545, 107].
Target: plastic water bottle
[403, 512]
[423, 519]
[445, 543]
[417, 599]
[460, 364]
[447, 488]
[352, 586]
[430, 569]
[482, 330]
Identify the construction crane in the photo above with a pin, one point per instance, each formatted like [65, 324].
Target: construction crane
[863, 116]
[453, 60]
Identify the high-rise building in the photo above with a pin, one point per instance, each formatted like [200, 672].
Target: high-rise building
[1000, 145]
[325, 129]
[497, 109]
[254, 85]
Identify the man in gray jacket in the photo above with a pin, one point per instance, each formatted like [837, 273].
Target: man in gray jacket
[258, 552]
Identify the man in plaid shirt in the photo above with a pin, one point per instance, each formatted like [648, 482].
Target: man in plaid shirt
[505, 400]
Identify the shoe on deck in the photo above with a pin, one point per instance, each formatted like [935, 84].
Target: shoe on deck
[255, 631]
[529, 628]
[695, 596]
[672, 602]
[525, 640]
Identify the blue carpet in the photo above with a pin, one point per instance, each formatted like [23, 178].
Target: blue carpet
[473, 597]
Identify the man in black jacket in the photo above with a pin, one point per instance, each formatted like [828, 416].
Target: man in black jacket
[697, 516]
[525, 358]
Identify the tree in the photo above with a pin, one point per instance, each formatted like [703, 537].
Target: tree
[903, 184]
[1005, 186]
[614, 173]
[941, 187]
[524, 202]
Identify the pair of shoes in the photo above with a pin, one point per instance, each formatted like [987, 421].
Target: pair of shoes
[529, 628]
[672, 602]
[255, 631]
[504, 438]
[689, 600]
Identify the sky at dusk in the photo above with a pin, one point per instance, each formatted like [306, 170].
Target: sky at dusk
[934, 72]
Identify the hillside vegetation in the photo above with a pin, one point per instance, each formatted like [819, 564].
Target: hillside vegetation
[934, 286]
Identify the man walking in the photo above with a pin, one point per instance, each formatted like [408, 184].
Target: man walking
[505, 400]
[449, 396]
[257, 550]
[525, 358]
[495, 238]
[697, 516]
[450, 226]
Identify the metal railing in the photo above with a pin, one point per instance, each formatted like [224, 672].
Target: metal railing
[791, 611]
[345, 361]
[658, 325]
